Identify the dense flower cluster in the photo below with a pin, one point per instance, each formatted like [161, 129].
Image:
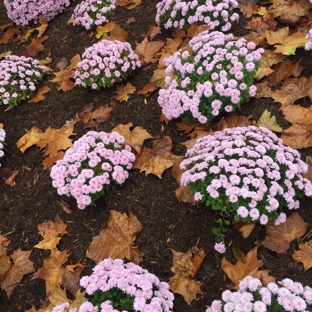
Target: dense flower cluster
[217, 14]
[91, 13]
[89, 167]
[23, 12]
[215, 76]
[246, 173]
[18, 78]
[253, 297]
[105, 63]
[308, 45]
[2, 138]
[130, 283]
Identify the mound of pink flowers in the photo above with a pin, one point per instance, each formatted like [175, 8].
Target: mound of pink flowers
[88, 168]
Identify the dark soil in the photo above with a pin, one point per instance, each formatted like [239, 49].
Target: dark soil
[166, 222]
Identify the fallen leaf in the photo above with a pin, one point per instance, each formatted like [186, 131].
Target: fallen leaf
[43, 26]
[11, 34]
[232, 121]
[62, 63]
[128, 4]
[39, 95]
[308, 161]
[249, 265]
[245, 228]
[63, 77]
[65, 206]
[298, 135]
[111, 31]
[116, 240]
[195, 29]
[130, 20]
[304, 255]
[185, 266]
[134, 138]
[157, 159]
[35, 47]
[4, 54]
[153, 30]
[93, 119]
[280, 236]
[171, 46]
[21, 266]
[4, 243]
[248, 8]
[11, 180]
[52, 233]
[268, 121]
[148, 89]
[30, 138]
[149, 51]
[121, 93]
[297, 114]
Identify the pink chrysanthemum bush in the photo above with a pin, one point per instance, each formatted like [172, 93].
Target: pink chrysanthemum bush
[95, 161]
[251, 296]
[23, 12]
[91, 13]
[117, 286]
[245, 173]
[18, 78]
[217, 14]
[105, 63]
[2, 139]
[215, 76]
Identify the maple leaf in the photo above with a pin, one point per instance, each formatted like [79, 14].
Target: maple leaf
[116, 240]
[5, 261]
[153, 30]
[51, 233]
[232, 121]
[248, 8]
[54, 140]
[268, 59]
[297, 114]
[111, 31]
[195, 29]
[304, 255]
[21, 266]
[185, 266]
[4, 243]
[308, 174]
[12, 33]
[92, 119]
[157, 159]
[35, 47]
[171, 46]
[39, 94]
[43, 26]
[248, 265]
[292, 90]
[280, 236]
[149, 51]
[128, 4]
[30, 138]
[134, 138]
[123, 91]
[63, 76]
[268, 121]
[298, 135]
[282, 71]
[245, 228]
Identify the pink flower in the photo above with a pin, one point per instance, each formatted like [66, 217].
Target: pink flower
[220, 247]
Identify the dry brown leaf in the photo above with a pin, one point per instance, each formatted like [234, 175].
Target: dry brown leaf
[93, 119]
[157, 159]
[63, 77]
[21, 266]
[4, 54]
[149, 51]
[121, 93]
[171, 46]
[4, 243]
[308, 175]
[195, 29]
[11, 34]
[292, 90]
[51, 233]
[280, 236]
[134, 138]
[39, 95]
[35, 47]
[111, 31]
[185, 266]
[153, 30]
[298, 135]
[263, 91]
[30, 138]
[51, 159]
[304, 255]
[232, 121]
[117, 239]
[245, 228]
[128, 4]
[148, 89]
[249, 265]
[297, 114]
[130, 20]
[248, 7]
[43, 26]
[10, 181]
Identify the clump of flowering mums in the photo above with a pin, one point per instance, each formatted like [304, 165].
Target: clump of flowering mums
[88, 168]
[2, 138]
[105, 63]
[215, 76]
[117, 286]
[23, 12]
[18, 78]
[253, 297]
[245, 173]
[218, 14]
[91, 13]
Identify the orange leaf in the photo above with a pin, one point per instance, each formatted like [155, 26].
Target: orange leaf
[43, 26]
[39, 94]
[304, 255]
[153, 30]
[116, 240]
[157, 159]
[128, 4]
[280, 236]
[149, 51]
[134, 138]
[121, 93]
[35, 47]
[245, 228]
[249, 265]
[30, 138]
[111, 31]
[298, 135]
[248, 8]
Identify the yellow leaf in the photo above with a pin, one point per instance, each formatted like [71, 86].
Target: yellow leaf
[268, 121]
[30, 138]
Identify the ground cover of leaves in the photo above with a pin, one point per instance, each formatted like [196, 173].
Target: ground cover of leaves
[46, 242]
